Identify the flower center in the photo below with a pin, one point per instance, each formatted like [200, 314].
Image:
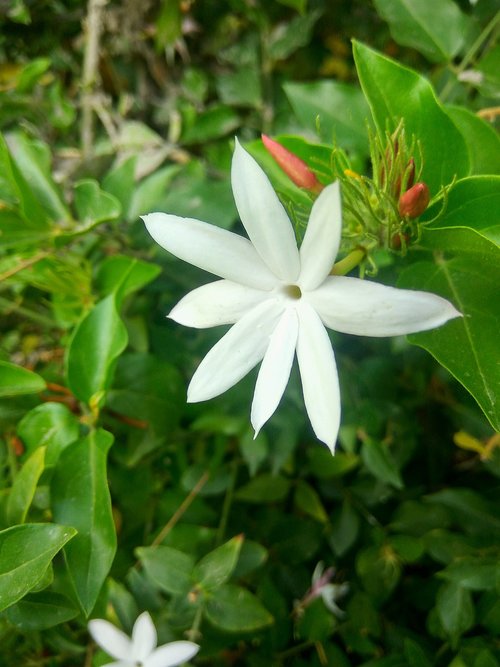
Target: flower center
[292, 292]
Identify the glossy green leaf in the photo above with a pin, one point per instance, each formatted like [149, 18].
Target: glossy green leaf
[473, 203]
[466, 346]
[168, 568]
[455, 610]
[436, 29]
[124, 275]
[24, 487]
[338, 111]
[39, 611]
[216, 567]
[80, 498]
[16, 191]
[97, 341]
[235, 609]
[380, 462]
[50, 425]
[94, 205]
[26, 552]
[34, 160]
[394, 92]
[483, 142]
[16, 380]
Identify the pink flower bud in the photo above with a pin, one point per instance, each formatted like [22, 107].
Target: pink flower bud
[295, 168]
[414, 201]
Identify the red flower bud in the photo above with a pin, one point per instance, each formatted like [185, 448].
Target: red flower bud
[414, 201]
[295, 168]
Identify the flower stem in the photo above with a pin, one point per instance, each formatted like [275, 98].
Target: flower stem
[348, 263]
[180, 510]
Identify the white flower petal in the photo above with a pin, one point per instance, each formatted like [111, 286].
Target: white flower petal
[172, 654]
[322, 238]
[318, 373]
[110, 639]
[275, 369]
[210, 248]
[236, 353]
[144, 637]
[264, 216]
[365, 308]
[221, 302]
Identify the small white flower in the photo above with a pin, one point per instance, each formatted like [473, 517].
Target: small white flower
[279, 299]
[329, 592]
[140, 650]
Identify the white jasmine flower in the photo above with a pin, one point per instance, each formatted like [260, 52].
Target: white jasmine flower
[279, 299]
[140, 650]
[330, 593]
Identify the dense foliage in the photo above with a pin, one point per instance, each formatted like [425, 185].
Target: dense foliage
[119, 497]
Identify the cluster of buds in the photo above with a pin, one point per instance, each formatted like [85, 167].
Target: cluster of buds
[381, 211]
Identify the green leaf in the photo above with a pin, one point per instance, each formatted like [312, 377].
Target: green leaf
[379, 569]
[16, 380]
[286, 38]
[474, 573]
[93, 205]
[216, 567]
[338, 109]
[483, 142]
[466, 346]
[473, 203]
[265, 488]
[27, 551]
[213, 123]
[50, 425]
[148, 194]
[168, 568]
[96, 343]
[235, 609]
[124, 275]
[379, 461]
[308, 500]
[120, 182]
[24, 487]
[345, 528]
[39, 611]
[436, 29]
[80, 498]
[34, 160]
[252, 556]
[168, 24]
[394, 92]
[325, 466]
[455, 610]
[17, 192]
[149, 389]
